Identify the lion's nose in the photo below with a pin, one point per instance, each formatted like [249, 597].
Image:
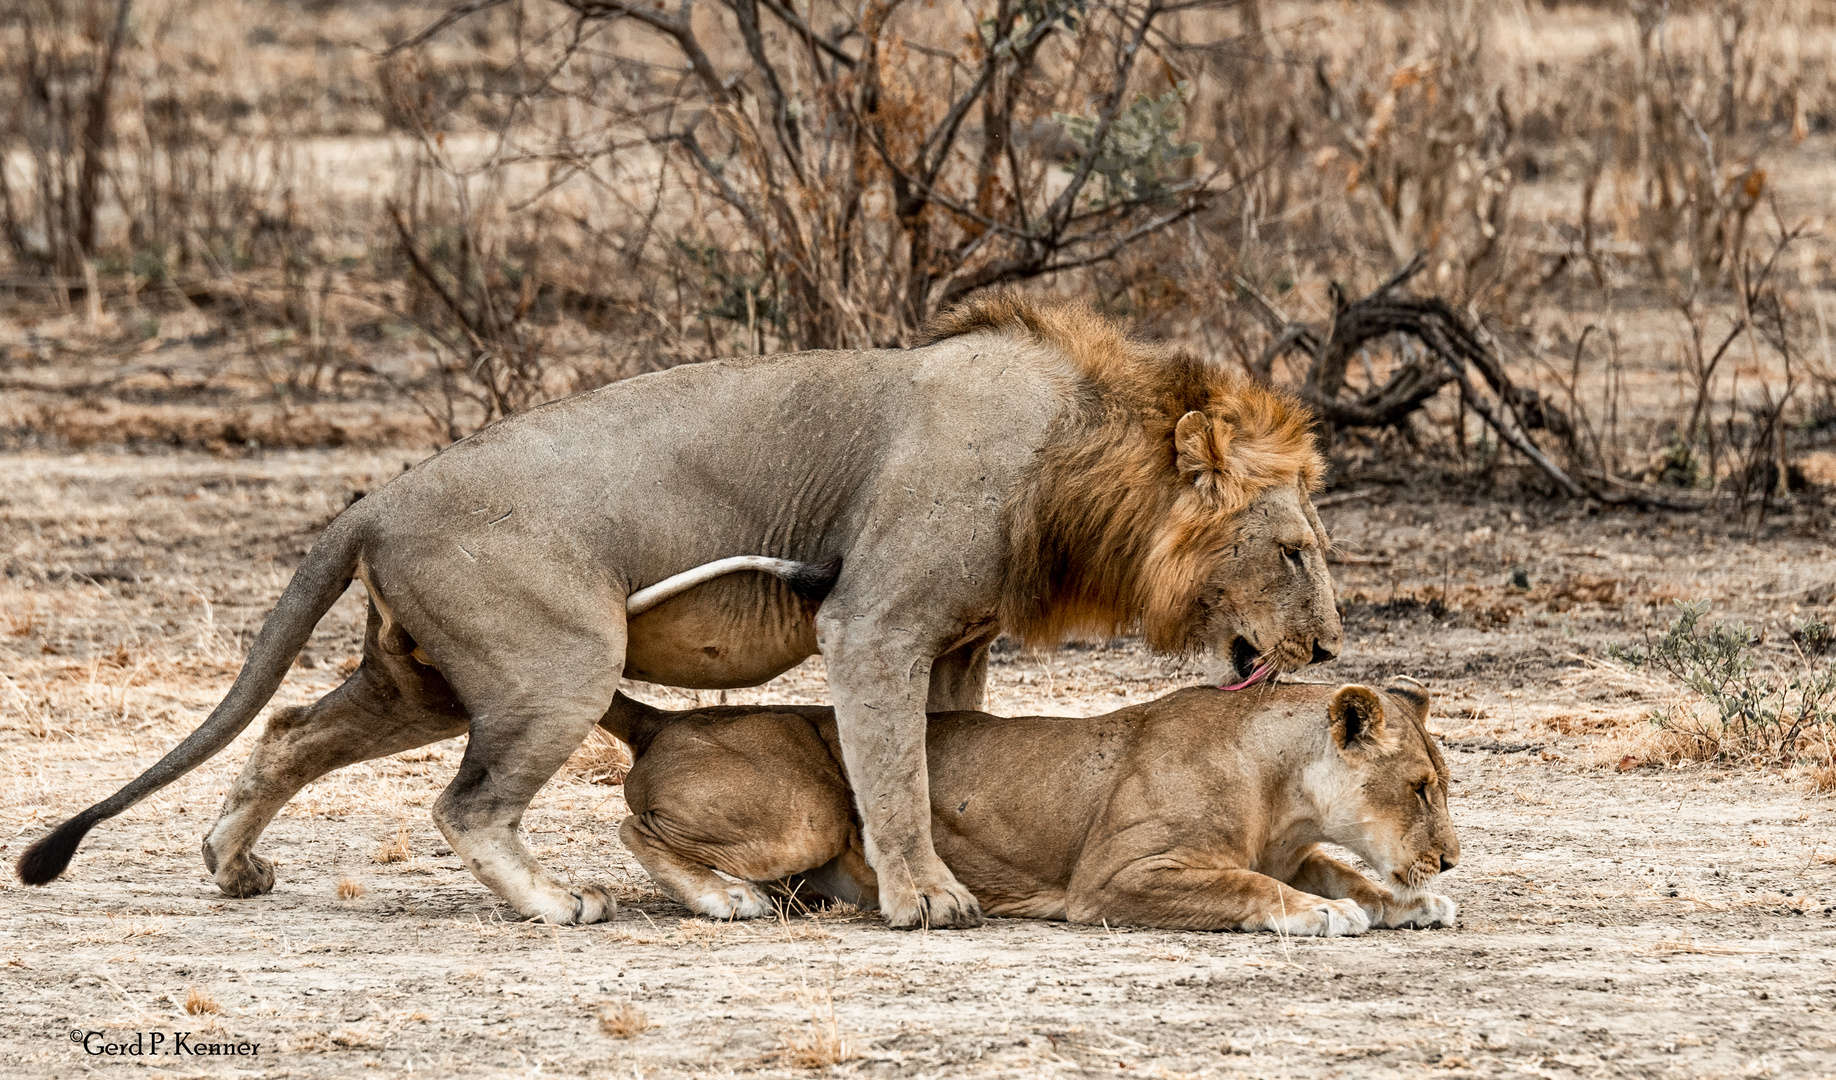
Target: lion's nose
[1448, 864]
[1321, 654]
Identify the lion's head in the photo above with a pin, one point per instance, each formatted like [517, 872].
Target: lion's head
[1171, 497]
[1381, 788]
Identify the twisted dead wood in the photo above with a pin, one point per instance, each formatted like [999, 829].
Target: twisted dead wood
[1450, 347]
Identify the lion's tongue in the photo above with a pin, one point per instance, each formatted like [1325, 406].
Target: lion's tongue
[1255, 677]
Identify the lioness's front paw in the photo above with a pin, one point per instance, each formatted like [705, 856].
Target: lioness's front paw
[737, 901]
[1423, 911]
[1327, 918]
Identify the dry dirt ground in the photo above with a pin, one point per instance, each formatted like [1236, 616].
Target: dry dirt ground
[1657, 921]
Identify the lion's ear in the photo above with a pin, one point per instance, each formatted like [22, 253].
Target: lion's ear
[1357, 717]
[1203, 448]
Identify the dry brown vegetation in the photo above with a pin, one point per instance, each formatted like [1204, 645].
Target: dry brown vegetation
[332, 224]
[623, 1020]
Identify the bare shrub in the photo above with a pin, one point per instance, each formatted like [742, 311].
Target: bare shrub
[67, 61]
[833, 177]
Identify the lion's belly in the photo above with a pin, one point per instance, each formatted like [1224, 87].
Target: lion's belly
[715, 638]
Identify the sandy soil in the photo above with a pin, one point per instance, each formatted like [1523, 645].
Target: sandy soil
[1673, 921]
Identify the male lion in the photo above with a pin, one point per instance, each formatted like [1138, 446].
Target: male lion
[1029, 471]
[1203, 810]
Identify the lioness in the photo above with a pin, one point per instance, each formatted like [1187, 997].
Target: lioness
[1029, 471]
[1203, 810]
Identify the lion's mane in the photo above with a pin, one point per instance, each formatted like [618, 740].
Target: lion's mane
[1106, 532]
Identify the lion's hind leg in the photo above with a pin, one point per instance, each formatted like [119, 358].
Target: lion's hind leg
[360, 720]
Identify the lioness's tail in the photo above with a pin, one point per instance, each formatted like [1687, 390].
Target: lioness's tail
[316, 585]
[632, 722]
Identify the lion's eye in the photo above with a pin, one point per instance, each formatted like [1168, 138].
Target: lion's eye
[1293, 555]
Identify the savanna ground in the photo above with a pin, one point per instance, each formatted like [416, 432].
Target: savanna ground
[299, 245]
[1652, 921]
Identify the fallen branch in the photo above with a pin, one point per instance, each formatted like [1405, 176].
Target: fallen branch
[1450, 348]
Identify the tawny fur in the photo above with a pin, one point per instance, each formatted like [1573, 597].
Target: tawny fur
[1202, 810]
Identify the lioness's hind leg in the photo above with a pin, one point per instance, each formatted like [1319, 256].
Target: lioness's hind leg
[690, 883]
[846, 878]
[360, 720]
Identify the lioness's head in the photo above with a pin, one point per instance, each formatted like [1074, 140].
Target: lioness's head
[1381, 788]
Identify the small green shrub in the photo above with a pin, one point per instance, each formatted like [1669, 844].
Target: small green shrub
[1767, 708]
[1142, 147]
[1813, 636]
[1678, 465]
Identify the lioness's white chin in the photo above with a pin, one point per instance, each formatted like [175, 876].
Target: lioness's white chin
[1412, 881]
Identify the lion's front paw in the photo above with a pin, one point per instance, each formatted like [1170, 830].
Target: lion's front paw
[737, 901]
[1326, 918]
[944, 906]
[586, 904]
[248, 876]
[1423, 911]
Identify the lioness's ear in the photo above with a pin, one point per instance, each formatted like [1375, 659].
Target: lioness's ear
[1202, 446]
[1412, 692]
[1357, 717]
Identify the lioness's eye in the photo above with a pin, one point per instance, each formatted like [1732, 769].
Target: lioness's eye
[1293, 555]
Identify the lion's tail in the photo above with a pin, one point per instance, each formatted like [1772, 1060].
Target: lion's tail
[316, 585]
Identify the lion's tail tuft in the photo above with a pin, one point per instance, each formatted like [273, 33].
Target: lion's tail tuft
[46, 859]
[813, 581]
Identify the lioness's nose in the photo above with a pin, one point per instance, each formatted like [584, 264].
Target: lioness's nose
[1448, 864]
[1321, 654]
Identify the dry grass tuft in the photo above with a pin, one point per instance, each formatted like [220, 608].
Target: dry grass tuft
[623, 1020]
[1822, 779]
[823, 1045]
[350, 889]
[396, 850]
[602, 759]
[198, 1002]
[1688, 738]
[23, 620]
